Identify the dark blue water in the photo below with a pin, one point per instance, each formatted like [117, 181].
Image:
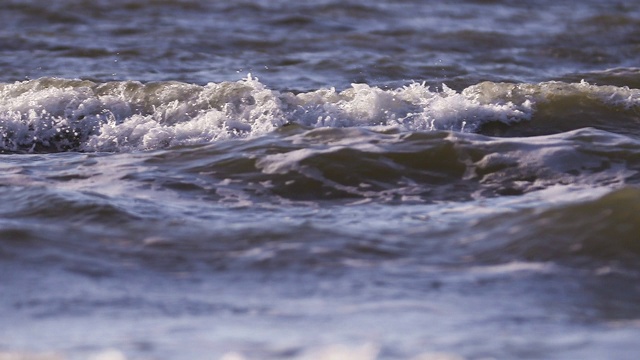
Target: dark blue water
[319, 180]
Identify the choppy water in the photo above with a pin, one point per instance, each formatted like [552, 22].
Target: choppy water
[319, 180]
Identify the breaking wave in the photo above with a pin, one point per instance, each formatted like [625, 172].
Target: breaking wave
[52, 114]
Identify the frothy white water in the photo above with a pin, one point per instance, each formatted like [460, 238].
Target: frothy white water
[59, 114]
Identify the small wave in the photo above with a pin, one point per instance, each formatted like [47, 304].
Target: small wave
[36, 202]
[605, 230]
[560, 107]
[392, 166]
[51, 114]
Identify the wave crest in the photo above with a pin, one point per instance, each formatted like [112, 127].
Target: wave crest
[52, 114]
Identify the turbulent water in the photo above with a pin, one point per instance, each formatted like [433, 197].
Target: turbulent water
[319, 180]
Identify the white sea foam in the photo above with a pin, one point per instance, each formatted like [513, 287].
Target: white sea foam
[60, 114]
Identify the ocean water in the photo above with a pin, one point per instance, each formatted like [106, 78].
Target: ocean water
[325, 179]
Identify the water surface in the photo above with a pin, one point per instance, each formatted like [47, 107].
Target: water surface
[316, 180]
